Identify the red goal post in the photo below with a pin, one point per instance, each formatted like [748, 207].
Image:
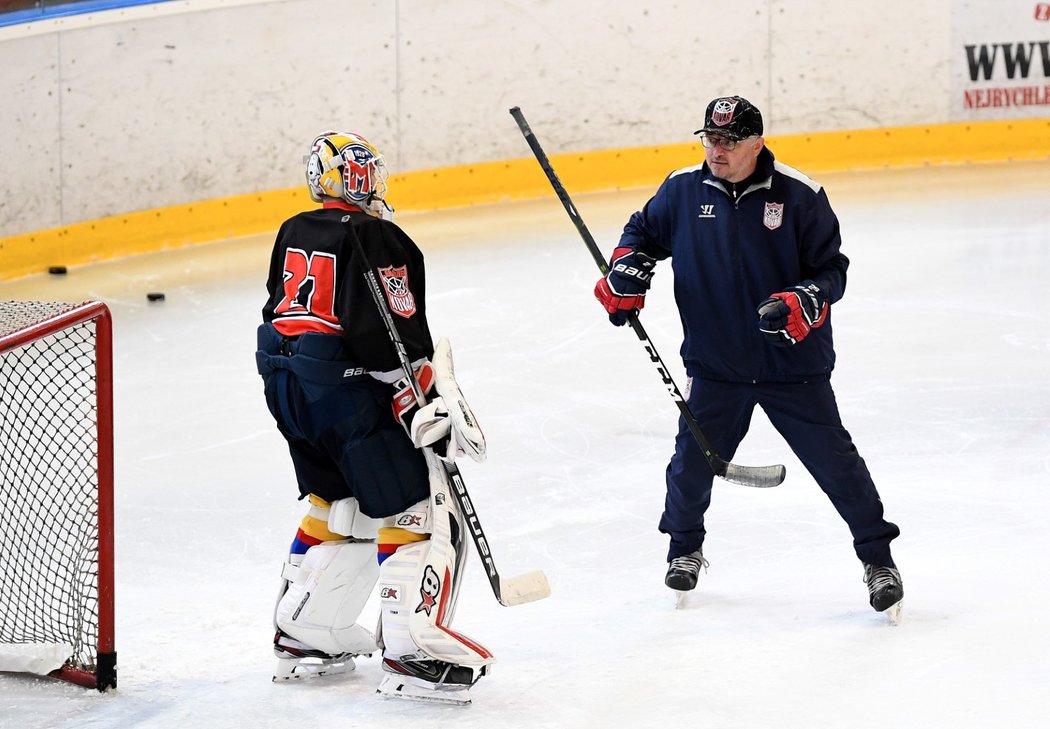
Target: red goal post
[56, 491]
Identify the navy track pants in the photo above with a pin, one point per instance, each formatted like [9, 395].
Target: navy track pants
[806, 415]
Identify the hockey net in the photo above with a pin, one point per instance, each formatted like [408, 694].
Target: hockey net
[56, 491]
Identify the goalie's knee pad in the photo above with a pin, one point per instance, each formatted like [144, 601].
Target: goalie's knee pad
[419, 584]
[331, 522]
[325, 596]
[345, 517]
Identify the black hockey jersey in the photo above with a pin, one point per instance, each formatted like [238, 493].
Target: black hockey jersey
[316, 284]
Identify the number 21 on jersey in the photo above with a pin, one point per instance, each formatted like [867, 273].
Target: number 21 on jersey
[309, 290]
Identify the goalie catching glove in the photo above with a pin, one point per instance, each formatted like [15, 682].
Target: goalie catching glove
[787, 317]
[623, 289]
[444, 422]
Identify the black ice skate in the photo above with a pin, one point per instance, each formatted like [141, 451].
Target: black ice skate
[885, 589]
[428, 680]
[682, 573]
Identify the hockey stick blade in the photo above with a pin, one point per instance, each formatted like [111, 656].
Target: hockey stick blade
[762, 477]
[509, 592]
[521, 589]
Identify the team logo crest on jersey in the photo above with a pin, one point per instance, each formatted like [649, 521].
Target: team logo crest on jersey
[774, 215]
[395, 281]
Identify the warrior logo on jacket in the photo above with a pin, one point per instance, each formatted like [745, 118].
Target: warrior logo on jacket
[395, 281]
[774, 215]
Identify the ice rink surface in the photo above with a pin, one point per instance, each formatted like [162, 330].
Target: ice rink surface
[943, 343]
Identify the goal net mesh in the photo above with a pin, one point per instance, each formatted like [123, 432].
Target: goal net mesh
[49, 533]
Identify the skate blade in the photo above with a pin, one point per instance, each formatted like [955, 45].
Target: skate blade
[894, 612]
[397, 687]
[300, 669]
[680, 599]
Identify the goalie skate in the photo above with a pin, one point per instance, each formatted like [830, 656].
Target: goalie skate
[297, 661]
[429, 681]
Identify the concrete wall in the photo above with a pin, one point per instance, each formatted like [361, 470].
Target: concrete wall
[194, 100]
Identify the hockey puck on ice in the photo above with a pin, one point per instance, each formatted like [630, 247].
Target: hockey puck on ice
[57, 270]
[155, 296]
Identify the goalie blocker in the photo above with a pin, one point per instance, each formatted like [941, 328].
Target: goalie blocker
[445, 422]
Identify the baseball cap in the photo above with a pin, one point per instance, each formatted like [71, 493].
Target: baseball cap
[732, 117]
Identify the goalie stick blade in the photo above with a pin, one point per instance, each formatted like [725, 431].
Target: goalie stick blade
[762, 477]
[529, 587]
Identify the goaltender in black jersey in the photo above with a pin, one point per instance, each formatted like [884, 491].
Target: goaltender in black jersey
[366, 452]
[316, 285]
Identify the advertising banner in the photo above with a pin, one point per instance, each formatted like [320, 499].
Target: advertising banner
[1000, 59]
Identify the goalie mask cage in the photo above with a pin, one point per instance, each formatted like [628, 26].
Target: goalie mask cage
[56, 491]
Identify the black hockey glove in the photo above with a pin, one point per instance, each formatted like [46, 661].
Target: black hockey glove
[787, 317]
[623, 289]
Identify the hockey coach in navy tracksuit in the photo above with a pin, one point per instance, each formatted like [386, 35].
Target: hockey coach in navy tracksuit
[755, 252]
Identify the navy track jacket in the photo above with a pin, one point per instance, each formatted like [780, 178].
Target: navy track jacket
[728, 257]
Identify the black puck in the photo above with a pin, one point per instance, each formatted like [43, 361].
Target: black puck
[155, 296]
[57, 270]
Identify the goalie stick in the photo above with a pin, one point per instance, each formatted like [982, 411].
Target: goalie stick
[757, 476]
[509, 591]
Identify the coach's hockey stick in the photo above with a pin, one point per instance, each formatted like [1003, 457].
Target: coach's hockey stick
[758, 476]
[510, 591]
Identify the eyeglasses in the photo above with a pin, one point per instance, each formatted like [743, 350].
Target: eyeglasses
[711, 141]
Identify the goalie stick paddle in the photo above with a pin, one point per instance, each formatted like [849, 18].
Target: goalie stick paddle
[509, 591]
[757, 476]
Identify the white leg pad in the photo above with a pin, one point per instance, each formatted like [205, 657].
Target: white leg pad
[415, 595]
[415, 518]
[419, 585]
[326, 594]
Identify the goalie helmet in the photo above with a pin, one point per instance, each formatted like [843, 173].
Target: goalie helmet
[347, 166]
